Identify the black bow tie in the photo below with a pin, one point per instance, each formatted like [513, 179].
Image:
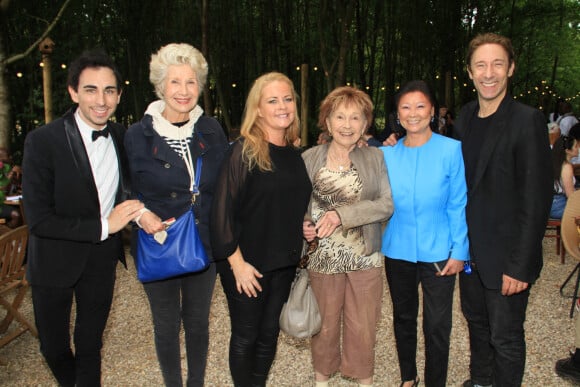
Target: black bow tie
[97, 133]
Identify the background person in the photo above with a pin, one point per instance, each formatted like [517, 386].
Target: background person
[442, 119]
[569, 367]
[447, 130]
[554, 115]
[567, 119]
[163, 149]
[74, 187]
[10, 184]
[351, 197]
[260, 199]
[564, 150]
[425, 241]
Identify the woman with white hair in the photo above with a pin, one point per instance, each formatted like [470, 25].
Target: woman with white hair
[162, 149]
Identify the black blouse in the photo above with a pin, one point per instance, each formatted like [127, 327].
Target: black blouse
[261, 212]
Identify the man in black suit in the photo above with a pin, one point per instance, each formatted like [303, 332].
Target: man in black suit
[74, 198]
[509, 179]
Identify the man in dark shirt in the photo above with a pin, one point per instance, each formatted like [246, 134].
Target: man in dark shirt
[509, 179]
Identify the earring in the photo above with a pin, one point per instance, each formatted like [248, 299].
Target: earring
[432, 118]
[329, 133]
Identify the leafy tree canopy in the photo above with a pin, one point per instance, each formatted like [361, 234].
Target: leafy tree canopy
[376, 45]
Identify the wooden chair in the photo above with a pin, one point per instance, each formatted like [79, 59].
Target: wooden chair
[13, 283]
[554, 227]
[571, 240]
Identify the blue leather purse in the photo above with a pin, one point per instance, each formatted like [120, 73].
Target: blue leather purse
[181, 253]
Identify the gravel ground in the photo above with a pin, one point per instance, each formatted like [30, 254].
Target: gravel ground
[129, 355]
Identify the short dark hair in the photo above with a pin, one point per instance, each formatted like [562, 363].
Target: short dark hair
[575, 132]
[91, 59]
[416, 85]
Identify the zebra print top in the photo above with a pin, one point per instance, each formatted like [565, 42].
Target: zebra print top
[341, 252]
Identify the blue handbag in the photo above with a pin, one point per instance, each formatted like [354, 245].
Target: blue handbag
[181, 253]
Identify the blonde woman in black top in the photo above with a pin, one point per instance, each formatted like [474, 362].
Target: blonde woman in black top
[261, 196]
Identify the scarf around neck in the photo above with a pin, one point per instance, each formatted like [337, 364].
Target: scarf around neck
[166, 128]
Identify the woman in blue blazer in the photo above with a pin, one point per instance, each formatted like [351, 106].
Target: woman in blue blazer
[426, 239]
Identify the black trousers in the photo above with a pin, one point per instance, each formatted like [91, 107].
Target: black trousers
[404, 278]
[182, 300]
[496, 332]
[93, 295]
[255, 324]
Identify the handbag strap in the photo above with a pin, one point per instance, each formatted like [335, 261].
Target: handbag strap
[310, 248]
[195, 187]
[186, 154]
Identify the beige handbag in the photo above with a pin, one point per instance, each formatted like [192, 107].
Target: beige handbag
[300, 316]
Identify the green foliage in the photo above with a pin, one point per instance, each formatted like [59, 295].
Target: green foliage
[376, 45]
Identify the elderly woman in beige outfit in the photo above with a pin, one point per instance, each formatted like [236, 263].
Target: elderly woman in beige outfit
[351, 197]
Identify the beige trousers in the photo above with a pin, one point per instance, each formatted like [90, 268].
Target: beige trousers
[351, 301]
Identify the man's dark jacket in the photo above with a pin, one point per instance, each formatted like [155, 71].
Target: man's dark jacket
[510, 194]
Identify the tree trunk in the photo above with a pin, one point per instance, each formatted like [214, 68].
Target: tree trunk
[225, 113]
[555, 66]
[4, 60]
[208, 106]
[47, 87]
[4, 103]
[304, 104]
[340, 78]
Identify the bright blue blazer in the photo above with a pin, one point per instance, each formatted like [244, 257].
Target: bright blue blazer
[429, 195]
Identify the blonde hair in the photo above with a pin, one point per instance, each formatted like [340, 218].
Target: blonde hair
[255, 151]
[176, 54]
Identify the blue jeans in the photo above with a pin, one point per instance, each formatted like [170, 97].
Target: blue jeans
[255, 324]
[188, 299]
[404, 278]
[558, 205]
[496, 332]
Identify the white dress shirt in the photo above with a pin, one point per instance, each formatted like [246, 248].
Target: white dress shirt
[105, 167]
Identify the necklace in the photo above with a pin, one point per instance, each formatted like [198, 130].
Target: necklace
[341, 164]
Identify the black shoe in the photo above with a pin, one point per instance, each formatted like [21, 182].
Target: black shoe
[565, 368]
[469, 383]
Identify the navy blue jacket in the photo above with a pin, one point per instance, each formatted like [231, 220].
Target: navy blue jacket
[161, 180]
